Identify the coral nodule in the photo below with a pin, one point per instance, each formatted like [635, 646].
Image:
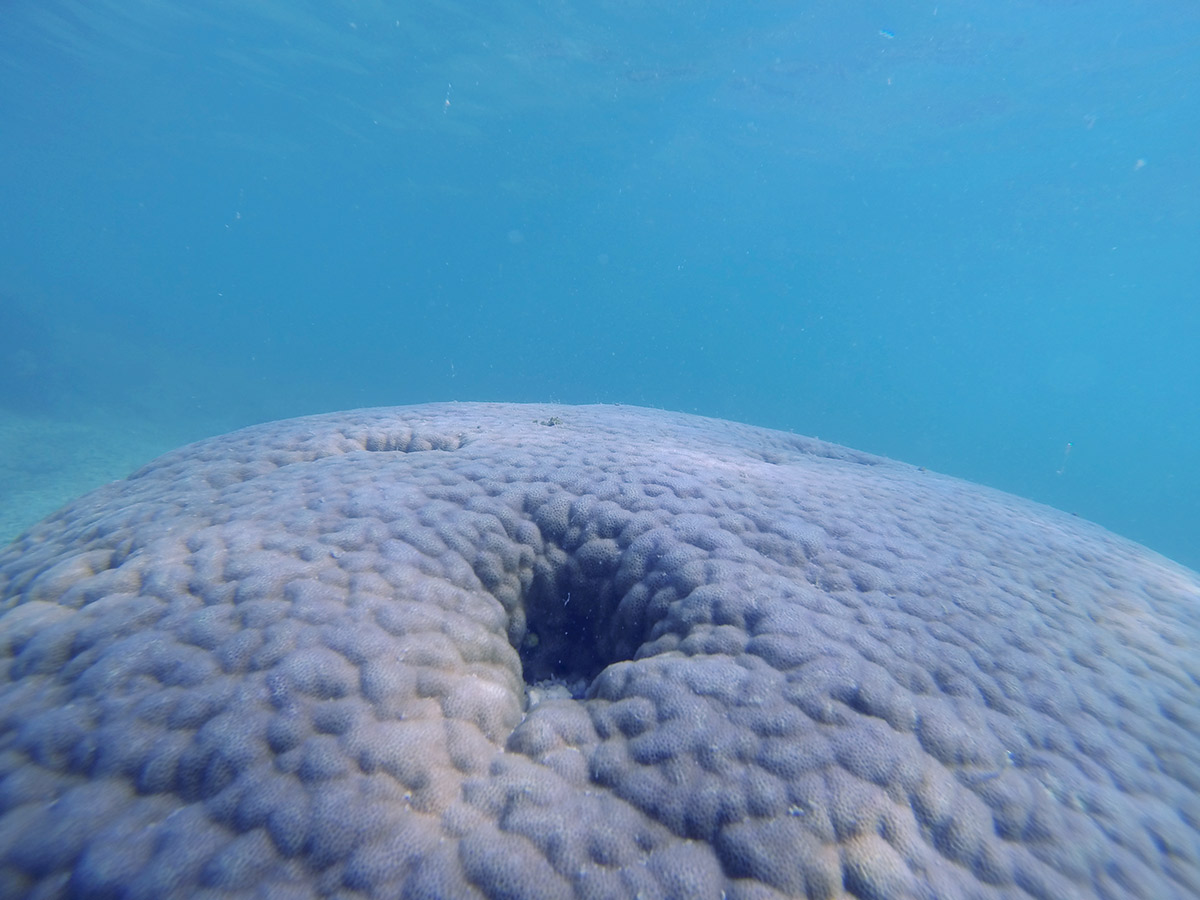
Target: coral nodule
[532, 651]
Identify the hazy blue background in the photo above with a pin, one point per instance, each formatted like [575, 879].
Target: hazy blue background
[966, 235]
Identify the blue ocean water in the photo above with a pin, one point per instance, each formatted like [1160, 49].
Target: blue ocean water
[966, 235]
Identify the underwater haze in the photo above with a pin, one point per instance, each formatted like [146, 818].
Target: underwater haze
[965, 235]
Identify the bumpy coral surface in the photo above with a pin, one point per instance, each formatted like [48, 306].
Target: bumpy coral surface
[508, 651]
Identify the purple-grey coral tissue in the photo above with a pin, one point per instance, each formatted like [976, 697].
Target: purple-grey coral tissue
[507, 651]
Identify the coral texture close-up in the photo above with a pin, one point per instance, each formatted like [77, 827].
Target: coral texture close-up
[516, 651]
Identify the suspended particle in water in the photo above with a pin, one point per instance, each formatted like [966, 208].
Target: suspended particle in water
[1066, 455]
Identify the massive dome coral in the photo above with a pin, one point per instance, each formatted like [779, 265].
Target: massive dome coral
[509, 651]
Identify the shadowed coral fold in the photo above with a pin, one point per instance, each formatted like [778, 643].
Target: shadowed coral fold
[527, 651]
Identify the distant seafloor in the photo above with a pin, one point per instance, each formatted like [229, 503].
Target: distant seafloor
[46, 462]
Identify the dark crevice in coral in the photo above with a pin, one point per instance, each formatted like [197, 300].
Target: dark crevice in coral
[568, 637]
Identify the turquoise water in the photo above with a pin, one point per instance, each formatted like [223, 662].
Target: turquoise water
[965, 235]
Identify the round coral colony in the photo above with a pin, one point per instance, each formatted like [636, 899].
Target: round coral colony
[527, 651]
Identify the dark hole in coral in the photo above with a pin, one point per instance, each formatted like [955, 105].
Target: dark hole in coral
[568, 639]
